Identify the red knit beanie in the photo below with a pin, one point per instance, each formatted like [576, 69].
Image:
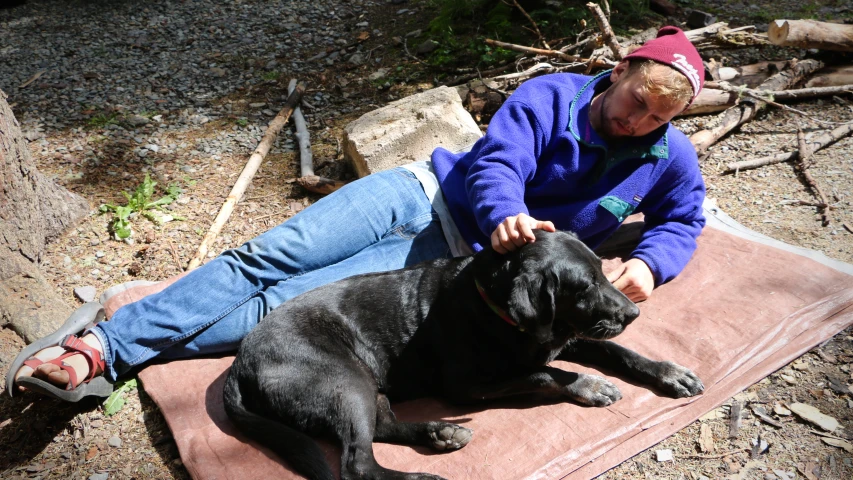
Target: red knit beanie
[671, 47]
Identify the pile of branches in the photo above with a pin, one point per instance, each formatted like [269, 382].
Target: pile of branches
[739, 93]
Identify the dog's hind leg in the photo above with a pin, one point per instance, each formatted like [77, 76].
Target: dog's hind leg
[439, 436]
[357, 421]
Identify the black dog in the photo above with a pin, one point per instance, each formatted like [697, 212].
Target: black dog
[466, 329]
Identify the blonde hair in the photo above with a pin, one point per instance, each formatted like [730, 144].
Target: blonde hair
[667, 82]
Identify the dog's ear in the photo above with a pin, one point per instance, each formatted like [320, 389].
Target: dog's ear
[532, 304]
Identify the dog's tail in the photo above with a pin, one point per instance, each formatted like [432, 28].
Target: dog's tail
[300, 450]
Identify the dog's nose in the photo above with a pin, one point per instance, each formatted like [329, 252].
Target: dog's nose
[630, 313]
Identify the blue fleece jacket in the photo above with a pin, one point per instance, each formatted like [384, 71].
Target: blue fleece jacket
[541, 157]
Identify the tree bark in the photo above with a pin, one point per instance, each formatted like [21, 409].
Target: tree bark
[832, 77]
[748, 108]
[33, 211]
[811, 34]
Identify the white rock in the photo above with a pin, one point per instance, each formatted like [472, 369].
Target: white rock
[664, 455]
[86, 294]
[378, 74]
[409, 129]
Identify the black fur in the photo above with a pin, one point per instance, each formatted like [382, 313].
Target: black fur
[325, 363]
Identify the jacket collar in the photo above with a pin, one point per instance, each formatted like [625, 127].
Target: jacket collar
[654, 144]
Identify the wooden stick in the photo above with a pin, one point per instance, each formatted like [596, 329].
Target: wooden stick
[306, 162]
[535, 27]
[599, 63]
[711, 457]
[769, 98]
[606, 31]
[805, 154]
[825, 139]
[748, 109]
[248, 172]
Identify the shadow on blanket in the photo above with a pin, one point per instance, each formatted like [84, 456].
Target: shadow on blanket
[738, 312]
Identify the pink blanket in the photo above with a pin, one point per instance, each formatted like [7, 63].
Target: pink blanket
[737, 313]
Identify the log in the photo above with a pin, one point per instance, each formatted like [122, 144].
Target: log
[711, 100]
[821, 141]
[716, 99]
[811, 34]
[749, 108]
[832, 77]
[246, 175]
[303, 138]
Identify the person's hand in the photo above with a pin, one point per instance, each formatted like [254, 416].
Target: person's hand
[517, 231]
[633, 278]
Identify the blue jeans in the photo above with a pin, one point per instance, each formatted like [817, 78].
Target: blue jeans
[381, 222]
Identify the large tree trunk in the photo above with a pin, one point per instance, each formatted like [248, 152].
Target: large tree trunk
[33, 210]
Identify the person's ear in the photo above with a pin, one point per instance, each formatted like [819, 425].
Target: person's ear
[619, 70]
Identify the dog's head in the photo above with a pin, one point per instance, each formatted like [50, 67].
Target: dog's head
[555, 290]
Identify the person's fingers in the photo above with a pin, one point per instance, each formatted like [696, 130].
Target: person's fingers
[622, 283]
[526, 231]
[496, 240]
[546, 225]
[616, 273]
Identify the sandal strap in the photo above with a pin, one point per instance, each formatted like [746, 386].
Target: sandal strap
[93, 357]
[72, 373]
[33, 362]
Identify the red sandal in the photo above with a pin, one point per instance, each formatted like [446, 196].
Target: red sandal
[93, 384]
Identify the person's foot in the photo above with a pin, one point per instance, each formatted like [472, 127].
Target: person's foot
[52, 373]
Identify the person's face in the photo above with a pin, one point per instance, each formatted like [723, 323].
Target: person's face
[628, 111]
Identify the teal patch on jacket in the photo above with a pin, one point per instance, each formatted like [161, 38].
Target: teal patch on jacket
[619, 208]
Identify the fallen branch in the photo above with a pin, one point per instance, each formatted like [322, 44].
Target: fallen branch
[606, 32]
[246, 175]
[306, 159]
[768, 98]
[805, 154]
[748, 109]
[825, 139]
[718, 96]
[535, 27]
[478, 74]
[599, 63]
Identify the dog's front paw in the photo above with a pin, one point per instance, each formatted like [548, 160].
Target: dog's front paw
[678, 381]
[593, 390]
[450, 437]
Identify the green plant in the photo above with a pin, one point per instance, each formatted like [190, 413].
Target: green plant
[272, 75]
[140, 202]
[241, 122]
[101, 120]
[116, 399]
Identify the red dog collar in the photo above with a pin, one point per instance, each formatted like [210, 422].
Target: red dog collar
[498, 310]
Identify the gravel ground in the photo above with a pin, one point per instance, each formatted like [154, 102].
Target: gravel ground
[183, 90]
